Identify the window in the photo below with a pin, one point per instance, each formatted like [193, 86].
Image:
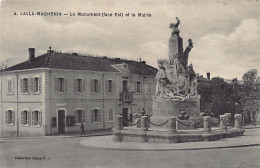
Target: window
[149, 88]
[138, 87]
[80, 116]
[10, 86]
[25, 85]
[36, 83]
[110, 86]
[110, 114]
[79, 85]
[60, 84]
[95, 86]
[36, 118]
[96, 115]
[10, 117]
[25, 117]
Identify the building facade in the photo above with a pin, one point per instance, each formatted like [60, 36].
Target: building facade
[55, 92]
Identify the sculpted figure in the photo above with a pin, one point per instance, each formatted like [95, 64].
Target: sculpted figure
[172, 71]
[161, 79]
[185, 56]
[174, 27]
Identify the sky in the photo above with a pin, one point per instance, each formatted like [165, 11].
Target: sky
[225, 34]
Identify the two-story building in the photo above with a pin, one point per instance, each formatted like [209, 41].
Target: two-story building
[55, 92]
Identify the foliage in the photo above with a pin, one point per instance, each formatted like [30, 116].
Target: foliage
[235, 97]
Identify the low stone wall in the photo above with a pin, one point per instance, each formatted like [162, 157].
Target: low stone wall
[171, 135]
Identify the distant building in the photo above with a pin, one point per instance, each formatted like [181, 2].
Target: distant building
[55, 92]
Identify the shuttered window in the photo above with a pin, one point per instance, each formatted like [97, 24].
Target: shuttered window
[10, 86]
[80, 116]
[95, 86]
[36, 118]
[138, 87]
[36, 84]
[111, 114]
[79, 85]
[95, 115]
[25, 85]
[10, 117]
[61, 85]
[25, 117]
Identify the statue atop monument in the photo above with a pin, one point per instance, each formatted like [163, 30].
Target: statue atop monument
[174, 27]
[176, 80]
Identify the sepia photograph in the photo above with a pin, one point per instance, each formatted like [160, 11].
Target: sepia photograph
[129, 84]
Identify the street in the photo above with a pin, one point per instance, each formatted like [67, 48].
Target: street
[68, 152]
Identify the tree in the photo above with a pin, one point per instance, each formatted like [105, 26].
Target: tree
[220, 92]
[250, 99]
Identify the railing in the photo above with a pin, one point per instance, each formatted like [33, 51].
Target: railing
[126, 96]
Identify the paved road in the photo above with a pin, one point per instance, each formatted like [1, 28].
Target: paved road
[67, 152]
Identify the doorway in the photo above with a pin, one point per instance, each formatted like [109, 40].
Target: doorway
[61, 122]
[125, 116]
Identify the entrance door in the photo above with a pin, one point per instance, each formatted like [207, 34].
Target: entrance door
[61, 121]
[125, 116]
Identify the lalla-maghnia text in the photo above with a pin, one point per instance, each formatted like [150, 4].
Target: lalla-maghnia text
[31, 158]
[38, 13]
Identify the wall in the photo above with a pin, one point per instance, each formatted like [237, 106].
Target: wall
[19, 102]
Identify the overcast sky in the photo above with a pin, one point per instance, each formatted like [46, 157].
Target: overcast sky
[226, 34]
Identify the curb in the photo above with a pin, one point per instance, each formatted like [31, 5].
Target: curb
[173, 149]
[57, 136]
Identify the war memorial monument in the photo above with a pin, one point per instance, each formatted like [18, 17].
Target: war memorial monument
[176, 105]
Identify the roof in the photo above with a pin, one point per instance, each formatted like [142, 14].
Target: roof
[78, 62]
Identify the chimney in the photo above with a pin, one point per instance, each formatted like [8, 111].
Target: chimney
[31, 54]
[208, 75]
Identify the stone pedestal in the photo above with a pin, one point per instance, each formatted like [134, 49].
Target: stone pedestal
[207, 124]
[223, 122]
[238, 121]
[164, 109]
[172, 125]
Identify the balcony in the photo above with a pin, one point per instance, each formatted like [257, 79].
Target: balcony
[126, 97]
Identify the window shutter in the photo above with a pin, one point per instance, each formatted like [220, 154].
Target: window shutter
[75, 86]
[83, 86]
[6, 117]
[29, 85]
[91, 85]
[40, 84]
[32, 85]
[28, 117]
[99, 86]
[141, 87]
[76, 116]
[32, 117]
[65, 85]
[99, 115]
[56, 84]
[92, 115]
[113, 86]
[21, 82]
[13, 117]
[40, 118]
[22, 119]
[107, 86]
[83, 116]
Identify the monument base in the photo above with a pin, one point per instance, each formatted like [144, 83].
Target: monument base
[163, 109]
[156, 136]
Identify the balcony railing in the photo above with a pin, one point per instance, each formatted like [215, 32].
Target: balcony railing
[126, 96]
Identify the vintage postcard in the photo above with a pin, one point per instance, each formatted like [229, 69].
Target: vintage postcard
[144, 83]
